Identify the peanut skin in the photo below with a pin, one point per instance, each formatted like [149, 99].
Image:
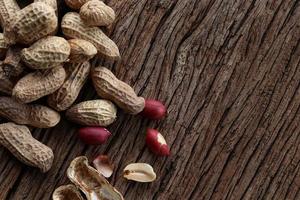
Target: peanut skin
[81, 51]
[93, 113]
[38, 84]
[109, 87]
[34, 115]
[74, 27]
[66, 95]
[19, 141]
[97, 13]
[46, 53]
[32, 23]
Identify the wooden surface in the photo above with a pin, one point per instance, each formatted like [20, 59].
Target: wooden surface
[228, 70]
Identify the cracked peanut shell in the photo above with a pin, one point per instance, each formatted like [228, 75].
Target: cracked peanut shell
[90, 181]
[19, 141]
[74, 27]
[109, 87]
[97, 13]
[39, 84]
[66, 192]
[93, 113]
[46, 53]
[66, 95]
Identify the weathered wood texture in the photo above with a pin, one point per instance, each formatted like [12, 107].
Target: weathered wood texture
[229, 73]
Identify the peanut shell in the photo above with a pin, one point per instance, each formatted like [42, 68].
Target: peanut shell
[52, 3]
[32, 23]
[46, 53]
[109, 87]
[93, 113]
[6, 85]
[8, 10]
[19, 141]
[66, 95]
[12, 64]
[97, 13]
[3, 46]
[75, 4]
[74, 27]
[90, 181]
[38, 84]
[81, 51]
[34, 115]
[66, 192]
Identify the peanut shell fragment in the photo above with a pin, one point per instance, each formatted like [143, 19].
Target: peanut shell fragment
[74, 27]
[32, 23]
[109, 87]
[38, 84]
[19, 141]
[81, 51]
[46, 53]
[93, 113]
[66, 95]
[90, 181]
[66, 192]
[140, 172]
[97, 13]
[34, 115]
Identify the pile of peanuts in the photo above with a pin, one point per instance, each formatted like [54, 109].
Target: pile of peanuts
[36, 64]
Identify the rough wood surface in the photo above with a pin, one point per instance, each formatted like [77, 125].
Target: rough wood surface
[229, 73]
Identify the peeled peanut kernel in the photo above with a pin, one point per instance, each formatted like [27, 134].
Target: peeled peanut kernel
[38, 84]
[140, 172]
[93, 113]
[90, 181]
[32, 23]
[74, 27]
[19, 141]
[34, 115]
[66, 192]
[154, 109]
[157, 143]
[109, 87]
[46, 53]
[81, 51]
[97, 13]
[75, 4]
[65, 96]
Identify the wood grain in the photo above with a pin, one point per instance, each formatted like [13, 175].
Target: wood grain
[229, 74]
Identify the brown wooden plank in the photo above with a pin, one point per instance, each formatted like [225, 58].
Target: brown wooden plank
[229, 74]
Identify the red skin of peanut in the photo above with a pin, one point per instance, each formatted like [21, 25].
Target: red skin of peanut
[154, 109]
[154, 145]
[93, 135]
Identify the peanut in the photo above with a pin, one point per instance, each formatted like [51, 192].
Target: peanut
[93, 135]
[3, 46]
[66, 192]
[154, 109]
[140, 172]
[19, 141]
[52, 3]
[12, 63]
[6, 85]
[75, 4]
[32, 23]
[34, 115]
[93, 113]
[97, 13]
[157, 143]
[109, 87]
[90, 181]
[66, 95]
[8, 10]
[38, 84]
[81, 51]
[46, 53]
[74, 27]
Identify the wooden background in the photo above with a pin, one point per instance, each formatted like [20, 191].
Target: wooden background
[228, 70]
